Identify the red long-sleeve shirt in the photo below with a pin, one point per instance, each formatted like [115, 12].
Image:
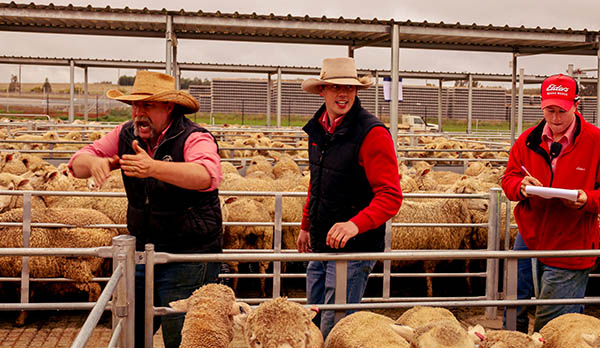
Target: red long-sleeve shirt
[378, 157]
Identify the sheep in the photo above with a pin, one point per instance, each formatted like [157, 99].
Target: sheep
[247, 237]
[10, 163]
[430, 211]
[260, 163]
[572, 330]
[365, 329]
[432, 327]
[15, 182]
[285, 164]
[504, 338]
[209, 318]
[228, 167]
[281, 323]
[437, 334]
[80, 269]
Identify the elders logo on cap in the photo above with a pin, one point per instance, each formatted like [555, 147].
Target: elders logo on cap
[559, 90]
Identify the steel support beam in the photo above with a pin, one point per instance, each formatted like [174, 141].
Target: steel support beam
[520, 110]
[513, 94]
[395, 79]
[470, 105]
[269, 87]
[440, 90]
[71, 91]
[169, 46]
[278, 97]
[86, 94]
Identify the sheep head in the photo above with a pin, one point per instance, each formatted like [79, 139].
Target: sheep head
[442, 333]
[281, 323]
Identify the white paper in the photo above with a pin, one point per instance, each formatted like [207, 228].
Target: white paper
[550, 192]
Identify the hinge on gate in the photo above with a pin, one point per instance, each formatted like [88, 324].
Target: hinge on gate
[121, 311]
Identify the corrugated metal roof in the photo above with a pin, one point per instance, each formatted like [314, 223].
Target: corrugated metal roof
[355, 32]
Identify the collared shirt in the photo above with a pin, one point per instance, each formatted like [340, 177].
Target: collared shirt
[328, 125]
[199, 148]
[565, 140]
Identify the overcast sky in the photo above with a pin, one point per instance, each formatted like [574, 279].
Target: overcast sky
[562, 14]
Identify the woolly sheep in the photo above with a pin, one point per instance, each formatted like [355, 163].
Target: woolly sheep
[15, 182]
[247, 237]
[430, 211]
[281, 323]
[572, 330]
[285, 164]
[437, 334]
[365, 329]
[504, 338]
[10, 163]
[209, 318]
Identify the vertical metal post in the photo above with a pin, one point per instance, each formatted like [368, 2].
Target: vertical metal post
[570, 70]
[278, 97]
[491, 286]
[212, 103]
[387, 264]
[176, 72]
[470, 105]
[377, 94]
[149, 296]
[395, 79]
[277, 235]
[440, 90]
[513, 94]
[269, 86]
[71, 91]
[341, 285]
[350, 52]
[598, 83]
[169, 43]
[125, 244]
[511, 293]
[85, 94]
[25, 259]
[520, 111]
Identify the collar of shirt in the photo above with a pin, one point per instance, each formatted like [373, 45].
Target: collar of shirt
[565, 140]
[152, 149]
[327, 125]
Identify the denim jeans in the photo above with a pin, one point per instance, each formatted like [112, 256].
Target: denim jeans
[172, 281]
[524, 287]
[559, 283]
[320, 287]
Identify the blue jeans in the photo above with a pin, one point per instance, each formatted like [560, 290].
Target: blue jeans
[320, 287]
[559, 283]
[172, 281]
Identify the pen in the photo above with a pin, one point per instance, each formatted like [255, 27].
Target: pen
[526, 171]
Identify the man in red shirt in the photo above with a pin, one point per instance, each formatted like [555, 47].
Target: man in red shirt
[354, 184]
[562, 151]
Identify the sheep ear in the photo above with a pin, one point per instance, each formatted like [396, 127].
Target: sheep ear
[476, 333]
[180, 305]
[312, 312]
[407, 332]
[22, 182]
[231, 200]
[589, 338]
[538, 340]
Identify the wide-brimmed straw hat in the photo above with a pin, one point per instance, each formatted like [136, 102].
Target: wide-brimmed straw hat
[155, 86]
[337, 71]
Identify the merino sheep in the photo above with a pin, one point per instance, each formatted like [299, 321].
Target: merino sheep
[432, 327]
[365, 329]
[281, 323]
[437, 334]
[16, 182]
[504, 338]
[430, 211]
[247, 237]
[209, 317]
[572, 330]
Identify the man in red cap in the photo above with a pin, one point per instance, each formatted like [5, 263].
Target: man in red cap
[562, 151]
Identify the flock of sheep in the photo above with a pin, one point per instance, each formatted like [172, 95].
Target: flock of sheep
[213, 315]
[270, 166]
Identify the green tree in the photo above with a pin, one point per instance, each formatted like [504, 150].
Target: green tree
[126, 80]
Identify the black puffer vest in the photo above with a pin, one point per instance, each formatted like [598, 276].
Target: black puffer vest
[172, 218]
[339, 188]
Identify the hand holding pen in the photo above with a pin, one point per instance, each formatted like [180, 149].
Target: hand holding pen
[528, 180]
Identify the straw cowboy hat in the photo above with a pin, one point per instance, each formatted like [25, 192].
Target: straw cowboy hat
[155, 86]
[337, 71]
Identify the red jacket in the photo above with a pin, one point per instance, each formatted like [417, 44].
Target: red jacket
[548, 224]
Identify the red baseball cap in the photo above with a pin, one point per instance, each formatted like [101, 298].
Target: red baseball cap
[559, 90]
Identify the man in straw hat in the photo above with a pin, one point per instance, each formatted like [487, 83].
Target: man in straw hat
[354, 184]
[171, 170]
[562, 151]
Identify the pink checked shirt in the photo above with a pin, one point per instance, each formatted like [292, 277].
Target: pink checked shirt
[198, 148]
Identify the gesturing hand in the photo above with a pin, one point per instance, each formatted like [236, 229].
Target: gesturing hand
[138, 165]
[340, 234]
[100, 170]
